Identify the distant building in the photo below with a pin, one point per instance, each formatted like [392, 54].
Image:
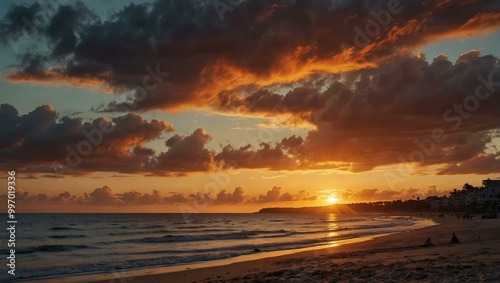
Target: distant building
[491, 190]
[470, 197]
[437, 202]
[489, 195]
[457, 198]
[486, 198]
[488, 183]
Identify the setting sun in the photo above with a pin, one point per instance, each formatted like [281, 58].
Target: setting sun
[332, 199]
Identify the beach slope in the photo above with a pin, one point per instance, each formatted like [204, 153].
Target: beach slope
[392, 258]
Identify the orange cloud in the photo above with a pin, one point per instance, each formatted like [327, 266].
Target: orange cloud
[104, 196]
[257, 47]
[54, 79]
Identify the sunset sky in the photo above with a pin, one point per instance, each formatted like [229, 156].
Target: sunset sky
[232, 106]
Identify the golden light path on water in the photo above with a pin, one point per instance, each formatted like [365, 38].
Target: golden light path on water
[332, 227]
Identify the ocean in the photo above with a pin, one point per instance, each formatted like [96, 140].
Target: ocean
[54, 245]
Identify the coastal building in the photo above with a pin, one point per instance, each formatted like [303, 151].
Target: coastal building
[436, 202]
[470, 197]
[486, 198]
[457, 198]
[490, 191]
[489, 196]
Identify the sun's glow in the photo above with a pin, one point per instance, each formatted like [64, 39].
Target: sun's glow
[332, 200]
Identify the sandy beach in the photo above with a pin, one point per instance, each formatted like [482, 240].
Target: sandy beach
[392, 258]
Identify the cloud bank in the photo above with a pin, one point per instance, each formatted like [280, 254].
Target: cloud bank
[345, 68]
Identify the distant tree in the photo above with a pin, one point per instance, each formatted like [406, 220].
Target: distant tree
[467, 187]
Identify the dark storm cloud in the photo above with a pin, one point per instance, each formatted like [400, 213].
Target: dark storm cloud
[406, 110]
[34, 141]
[371, 104]
[410, 105]
[481, 164]
[259, 43]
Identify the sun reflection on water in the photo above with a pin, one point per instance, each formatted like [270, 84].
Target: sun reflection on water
[332, 228]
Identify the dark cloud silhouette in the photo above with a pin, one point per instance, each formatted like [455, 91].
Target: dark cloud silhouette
[186, 154]
[271, 196]
[276, 195]
[387, 114]
[371, 104]
[61, 197]
[24, 196]
[258, 44]
[482, 164]
[245, 157]
[406, 110]
[235, 197]
[34, 142]
[410, 111]
[134, 197]
[104, 196]
[176, 198]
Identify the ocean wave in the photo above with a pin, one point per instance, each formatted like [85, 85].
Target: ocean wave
[174, 257]
[191, 227]
[194, 256]
[213, 237]
[115, 266]
[203, 236]
[126, 233]
[60, 228]
[151, 227]
[53, 248]
[178, 242]
[67, 236]
[345, 220]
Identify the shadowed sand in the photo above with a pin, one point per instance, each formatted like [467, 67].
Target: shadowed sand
[392, 258]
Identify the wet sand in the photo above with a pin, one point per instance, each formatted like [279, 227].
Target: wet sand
[392, 258]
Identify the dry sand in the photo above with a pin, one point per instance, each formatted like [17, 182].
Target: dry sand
[393, 258]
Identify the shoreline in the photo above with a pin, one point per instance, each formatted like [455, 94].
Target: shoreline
[128, 274]
[394, 257]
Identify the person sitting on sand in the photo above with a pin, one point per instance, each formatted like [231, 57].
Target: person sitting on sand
[428, 243]
[454, 239]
